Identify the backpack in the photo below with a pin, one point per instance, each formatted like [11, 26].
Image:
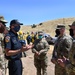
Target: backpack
[28, 37]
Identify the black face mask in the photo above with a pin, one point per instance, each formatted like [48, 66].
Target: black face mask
[16, 28]
[71, 32]
[57, 32]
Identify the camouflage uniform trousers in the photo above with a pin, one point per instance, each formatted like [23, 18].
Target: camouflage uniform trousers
[60, 70]
[41, 65]
[70, 69]
[2, 65]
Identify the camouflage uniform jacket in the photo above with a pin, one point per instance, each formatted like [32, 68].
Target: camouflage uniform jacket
[62, 47]
[40, 45]
[70, 67]
[72, 53]
[3, 61]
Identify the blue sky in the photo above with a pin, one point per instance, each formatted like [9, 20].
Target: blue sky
[36, 11]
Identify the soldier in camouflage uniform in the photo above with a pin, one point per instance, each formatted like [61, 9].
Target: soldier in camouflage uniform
[2, 59]
[69, 64]
[40, 54]
[57, 32]
[61, 49]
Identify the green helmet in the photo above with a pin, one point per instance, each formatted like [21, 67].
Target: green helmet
[59, 26]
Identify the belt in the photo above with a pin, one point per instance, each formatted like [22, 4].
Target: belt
[14, 59]
[73, 64]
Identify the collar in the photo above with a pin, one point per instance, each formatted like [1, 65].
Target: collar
[61, 36]
[12, 33]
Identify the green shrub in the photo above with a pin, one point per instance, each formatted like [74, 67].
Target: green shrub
[33, 26]
[40, 23]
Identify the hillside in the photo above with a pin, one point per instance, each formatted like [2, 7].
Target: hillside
[49, 26]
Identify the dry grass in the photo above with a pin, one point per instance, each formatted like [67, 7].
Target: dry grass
[49, 26]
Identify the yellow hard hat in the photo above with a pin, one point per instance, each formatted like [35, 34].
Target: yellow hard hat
[20, 32]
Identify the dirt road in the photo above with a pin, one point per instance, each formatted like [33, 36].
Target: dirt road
[28, 64]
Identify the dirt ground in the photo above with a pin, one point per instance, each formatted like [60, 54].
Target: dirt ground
[28, 64]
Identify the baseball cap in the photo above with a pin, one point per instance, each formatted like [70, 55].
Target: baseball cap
[14, 21]
[2, 19]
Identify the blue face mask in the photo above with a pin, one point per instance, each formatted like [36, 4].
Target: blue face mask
[16, 28]
[40, 37]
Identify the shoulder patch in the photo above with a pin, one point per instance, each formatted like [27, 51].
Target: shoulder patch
[7, 38]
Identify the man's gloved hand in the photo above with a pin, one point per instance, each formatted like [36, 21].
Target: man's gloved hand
[37, 53]
[61, 62]
[40, 51]
[53, 60]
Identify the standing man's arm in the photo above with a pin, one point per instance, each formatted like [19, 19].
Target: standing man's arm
[54, 54]
[45, 49]
[34, 48]
[67, 47]
[0, 50]
[10, 52]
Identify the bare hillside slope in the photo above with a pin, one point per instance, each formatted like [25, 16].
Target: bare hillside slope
[49, 26]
